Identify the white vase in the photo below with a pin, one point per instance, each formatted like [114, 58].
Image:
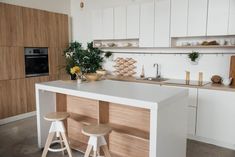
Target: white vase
[79, 81]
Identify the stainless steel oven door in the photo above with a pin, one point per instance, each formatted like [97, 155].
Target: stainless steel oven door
[36, 65]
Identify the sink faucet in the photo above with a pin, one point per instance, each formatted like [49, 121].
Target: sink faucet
[157, 70]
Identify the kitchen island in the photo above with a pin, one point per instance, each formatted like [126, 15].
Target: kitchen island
[147, 120]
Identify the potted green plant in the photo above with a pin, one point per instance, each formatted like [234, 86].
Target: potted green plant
[89, 60]
[193, 57]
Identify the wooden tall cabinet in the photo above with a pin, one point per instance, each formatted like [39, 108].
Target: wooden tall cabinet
[11, 26]
[26, 27]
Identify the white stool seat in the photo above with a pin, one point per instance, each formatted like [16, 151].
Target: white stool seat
[57, 128]
[97, 140]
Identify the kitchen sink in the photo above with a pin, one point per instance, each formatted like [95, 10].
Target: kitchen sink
[154, 79]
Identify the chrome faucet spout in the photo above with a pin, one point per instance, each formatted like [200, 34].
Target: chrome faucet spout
[157, 70]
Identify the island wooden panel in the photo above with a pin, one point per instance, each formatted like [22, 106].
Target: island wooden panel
[129, 116]
[130, 135]
[11, 26]
[232, 69]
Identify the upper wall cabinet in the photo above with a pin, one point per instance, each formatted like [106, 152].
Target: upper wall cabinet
[58, 30]
[218, 13]
[179, 18]
[231, 28]
[162, 23]
[147, 25]
[133, 21]
[35, 27]
[11, 25]
[120, 23]
[197, 17]
[97, 24]
[108, 24]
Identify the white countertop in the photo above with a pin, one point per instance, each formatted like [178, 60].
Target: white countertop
[127, 93]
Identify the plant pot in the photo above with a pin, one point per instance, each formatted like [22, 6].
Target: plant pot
[92, 76]
[79, 81]
[194, 62]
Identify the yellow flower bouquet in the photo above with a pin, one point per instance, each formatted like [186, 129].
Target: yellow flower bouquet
[77, 71]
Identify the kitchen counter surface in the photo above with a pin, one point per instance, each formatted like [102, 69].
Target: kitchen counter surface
[138, 94]
[175, 82]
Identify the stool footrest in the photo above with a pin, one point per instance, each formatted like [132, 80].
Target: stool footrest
[56, 149]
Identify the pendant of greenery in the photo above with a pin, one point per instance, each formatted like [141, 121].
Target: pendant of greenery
[193, 56]
[89, 60]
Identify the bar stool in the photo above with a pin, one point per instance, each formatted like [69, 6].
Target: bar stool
[57, 128]
[97, 140]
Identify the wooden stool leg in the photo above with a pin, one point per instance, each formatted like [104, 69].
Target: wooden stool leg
[95, 153]
[61, 143]
[66, 143]
[106, 150]
[88, 151]
[48, 143]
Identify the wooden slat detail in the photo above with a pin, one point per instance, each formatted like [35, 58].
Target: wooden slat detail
[11, 26]
[82, 106]
[11, 63]
[232, 69]
[103, 117]
[129, 116]
[77, 145]
[61, 102]
[127, 146]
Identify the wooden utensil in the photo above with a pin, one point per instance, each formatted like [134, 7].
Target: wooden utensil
[232, 70]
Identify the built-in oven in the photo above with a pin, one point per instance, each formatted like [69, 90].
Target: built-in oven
[36, 62]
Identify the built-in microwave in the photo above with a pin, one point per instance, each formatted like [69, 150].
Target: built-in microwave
[36, 62]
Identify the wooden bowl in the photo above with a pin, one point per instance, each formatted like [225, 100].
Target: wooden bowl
[101, 72]
[92, 76]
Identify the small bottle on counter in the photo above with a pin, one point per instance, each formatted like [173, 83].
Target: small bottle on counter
[200, 78]
[187, 77]
[142, 72]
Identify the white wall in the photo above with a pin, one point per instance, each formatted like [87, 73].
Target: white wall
[58, 6]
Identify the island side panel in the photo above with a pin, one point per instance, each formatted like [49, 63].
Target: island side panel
[172, 128]
[45, 103]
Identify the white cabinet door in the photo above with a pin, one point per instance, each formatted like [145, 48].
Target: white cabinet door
[218, 13]
[231, 30]
[147, 25]
[162, 23]
[216, 115]
[197, 17]
[133, 21]
[179, 16]
[97, 24]
[191, 121]
[120, 23]
[107, 25]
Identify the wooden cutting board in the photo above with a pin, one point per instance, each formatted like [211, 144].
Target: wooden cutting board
[232, 69]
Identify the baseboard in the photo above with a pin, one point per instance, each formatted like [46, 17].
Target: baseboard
[213, 142]
[18, 117]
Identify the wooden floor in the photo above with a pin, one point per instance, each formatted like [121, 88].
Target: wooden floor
[19, 139]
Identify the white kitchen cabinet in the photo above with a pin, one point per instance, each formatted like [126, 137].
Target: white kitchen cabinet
[191, 121]
[197, 17]
[218, 15]
[231, 28]
[216, 116]
[162, 23]
[120, 23]
[147, 25]
[108, 24]
[179, 18]
[97, 24]
[133, 21]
